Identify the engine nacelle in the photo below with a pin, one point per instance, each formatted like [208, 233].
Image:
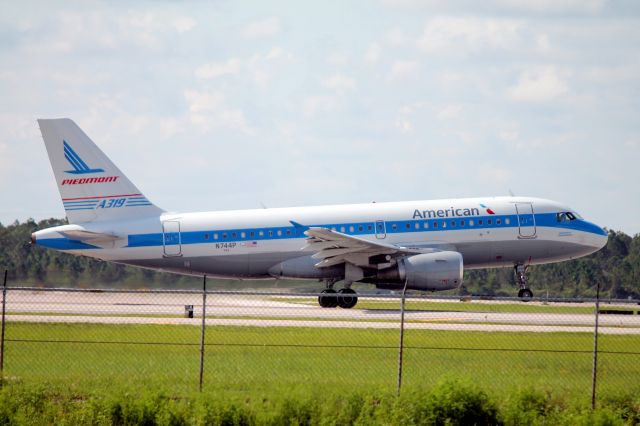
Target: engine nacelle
[430, 271]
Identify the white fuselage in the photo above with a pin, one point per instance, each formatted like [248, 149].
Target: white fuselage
[488, 232]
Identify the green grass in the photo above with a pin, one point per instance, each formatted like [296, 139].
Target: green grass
[449, 402]
[255, 360]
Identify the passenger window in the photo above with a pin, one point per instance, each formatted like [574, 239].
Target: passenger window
[435, 224]
[417, 225]
[288, 231]
[351, 229]
[271, 233]
[261, 233]
[507, 221]
[394, 226]
[407, 225]
[453, 223]
[224, 235]
[206, 236]
[471, 222]
[215, 236]
[252, 234]
[233, 235]
[370, 228]
[279, 233]
[462, 223]
[360, 228]
[479, 221]
[488, 221]
[444, 224]
[498, 221]
[243, 235]
[425, 225]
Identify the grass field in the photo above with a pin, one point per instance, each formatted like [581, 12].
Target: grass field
[255, 361]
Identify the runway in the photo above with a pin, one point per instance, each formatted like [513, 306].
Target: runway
[272, 311]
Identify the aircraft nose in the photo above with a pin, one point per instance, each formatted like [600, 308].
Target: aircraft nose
[603, 239]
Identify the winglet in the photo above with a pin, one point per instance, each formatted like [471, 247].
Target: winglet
[299, 227]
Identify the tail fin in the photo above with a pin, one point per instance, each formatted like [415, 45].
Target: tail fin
[91, 186]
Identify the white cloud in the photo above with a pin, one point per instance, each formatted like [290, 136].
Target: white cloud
[494, 175]
[372, 54]
[403, 70]
[184, 24]
[404, 124]
[339, 83]
[208, 110]
[264, 28]
[554, 6]
[540, 84]
[455, 34]
[315, 104]
[449, 112]
[508, 135]
[397, 38]
[217, 69]
[339, 59]
[203, 101]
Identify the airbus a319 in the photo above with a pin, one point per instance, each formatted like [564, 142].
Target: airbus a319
[423, 245]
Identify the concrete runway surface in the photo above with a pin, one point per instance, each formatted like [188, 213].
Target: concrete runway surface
[274, 311]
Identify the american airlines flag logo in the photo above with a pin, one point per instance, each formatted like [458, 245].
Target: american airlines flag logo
[250, 244]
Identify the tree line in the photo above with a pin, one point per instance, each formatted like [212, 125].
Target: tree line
[616, 268]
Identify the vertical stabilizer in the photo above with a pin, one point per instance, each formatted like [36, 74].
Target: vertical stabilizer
[91, 186]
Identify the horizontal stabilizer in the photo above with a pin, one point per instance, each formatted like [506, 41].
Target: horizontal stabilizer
[89, 236]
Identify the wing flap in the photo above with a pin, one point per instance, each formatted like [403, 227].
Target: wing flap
[334, 248]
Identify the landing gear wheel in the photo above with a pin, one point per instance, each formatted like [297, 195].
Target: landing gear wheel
[521, 279]
[328, 301]
[347, 298]
[525, 294]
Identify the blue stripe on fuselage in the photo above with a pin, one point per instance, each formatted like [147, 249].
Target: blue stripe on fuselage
[359, 228]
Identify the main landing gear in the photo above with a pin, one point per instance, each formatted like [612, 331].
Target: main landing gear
[521, 278]
[346, 297]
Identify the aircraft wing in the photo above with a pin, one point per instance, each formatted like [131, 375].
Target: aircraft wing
[333, 248]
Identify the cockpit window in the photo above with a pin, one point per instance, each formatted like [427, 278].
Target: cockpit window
[566, 216]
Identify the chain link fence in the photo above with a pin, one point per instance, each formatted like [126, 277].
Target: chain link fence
[266, 341]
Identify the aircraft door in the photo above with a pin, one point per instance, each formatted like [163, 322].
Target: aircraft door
[171, 240]
[526, 220]
[381, 230]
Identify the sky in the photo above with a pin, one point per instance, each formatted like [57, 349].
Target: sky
[224, 105]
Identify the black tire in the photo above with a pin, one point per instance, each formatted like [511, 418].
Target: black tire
[328, 301]
[525, 294]
[347, 298]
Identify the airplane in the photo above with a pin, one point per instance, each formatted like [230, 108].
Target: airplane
[417, 245]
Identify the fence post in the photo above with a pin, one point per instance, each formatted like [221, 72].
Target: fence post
[401, 346]
[204, 315]
[595, 351]
[4, 306]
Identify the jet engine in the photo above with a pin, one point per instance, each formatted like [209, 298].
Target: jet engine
[430, 271]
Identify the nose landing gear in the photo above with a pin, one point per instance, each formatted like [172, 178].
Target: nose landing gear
[521, 278]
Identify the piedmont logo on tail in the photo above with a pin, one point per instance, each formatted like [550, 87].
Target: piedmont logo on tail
[79, 166]
[376, 243]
